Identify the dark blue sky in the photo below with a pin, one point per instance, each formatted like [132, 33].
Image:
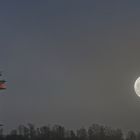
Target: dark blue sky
[70, 62]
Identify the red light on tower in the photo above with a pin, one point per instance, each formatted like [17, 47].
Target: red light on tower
[2, 85]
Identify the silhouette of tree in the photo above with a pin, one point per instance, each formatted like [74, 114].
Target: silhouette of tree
[131, 136]
[44, 133]
[82, 134]
[138, 136]
[70, 135]
[32, 131]
[57, 132]
[1, 134]
[96, 132]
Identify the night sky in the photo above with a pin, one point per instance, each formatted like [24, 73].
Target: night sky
[70, 62]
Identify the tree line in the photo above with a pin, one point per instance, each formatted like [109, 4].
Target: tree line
[58, 132]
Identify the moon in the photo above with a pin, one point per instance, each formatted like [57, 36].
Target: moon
[137, 86]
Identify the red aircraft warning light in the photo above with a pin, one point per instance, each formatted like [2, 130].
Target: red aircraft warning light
[2, 84]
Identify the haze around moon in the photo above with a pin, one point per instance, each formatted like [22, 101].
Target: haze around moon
[137, 86]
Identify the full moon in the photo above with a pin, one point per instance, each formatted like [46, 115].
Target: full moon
[137, 86]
